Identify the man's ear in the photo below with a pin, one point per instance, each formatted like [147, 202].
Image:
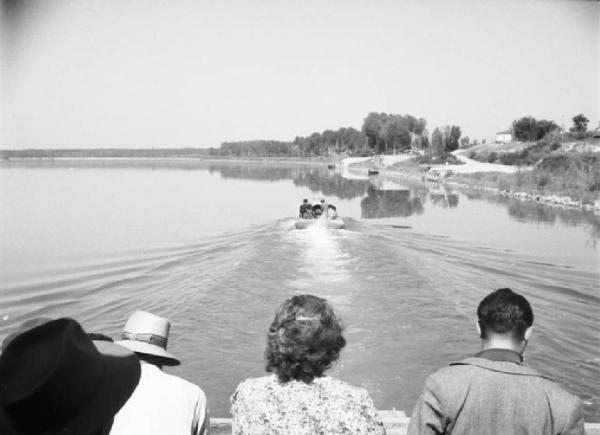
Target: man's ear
[528, 333]
[478, 327]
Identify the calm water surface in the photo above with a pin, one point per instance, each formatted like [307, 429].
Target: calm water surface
[212, 247]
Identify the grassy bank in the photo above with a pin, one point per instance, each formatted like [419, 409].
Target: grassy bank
[576, 176]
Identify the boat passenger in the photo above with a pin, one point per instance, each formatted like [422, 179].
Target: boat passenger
[162, 403]
[303, 341]
[317, 211]
[309, 212]
[303, 206]
[331, 211]
[324, 207]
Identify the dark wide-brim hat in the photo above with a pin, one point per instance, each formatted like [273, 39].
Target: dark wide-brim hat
[55, 380]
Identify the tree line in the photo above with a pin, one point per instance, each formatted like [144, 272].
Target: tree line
[381, 133]
[530, 129]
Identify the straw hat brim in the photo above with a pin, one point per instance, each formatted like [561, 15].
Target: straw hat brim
[150, 349]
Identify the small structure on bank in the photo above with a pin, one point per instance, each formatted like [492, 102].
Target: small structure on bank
[504, 136]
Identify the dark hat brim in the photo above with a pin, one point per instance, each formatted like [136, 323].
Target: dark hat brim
[120, 378]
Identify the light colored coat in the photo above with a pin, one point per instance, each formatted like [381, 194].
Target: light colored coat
[162, 404]
[480, 396]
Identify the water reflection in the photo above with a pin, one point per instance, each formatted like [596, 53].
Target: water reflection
[380, 197]
[331, 184]
[390, 203]
[534, 212]
[254, 172]
[444, 198]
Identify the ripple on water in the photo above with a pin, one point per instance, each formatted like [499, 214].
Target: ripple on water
[407, 301]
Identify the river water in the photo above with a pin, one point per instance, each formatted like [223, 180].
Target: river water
[212, 246]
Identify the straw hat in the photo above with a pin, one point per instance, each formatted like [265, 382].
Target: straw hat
[55, 380]
[148, 333]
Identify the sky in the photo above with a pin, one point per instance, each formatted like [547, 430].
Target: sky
[150, 73]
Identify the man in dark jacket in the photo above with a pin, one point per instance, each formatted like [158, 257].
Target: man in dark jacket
[494, 392]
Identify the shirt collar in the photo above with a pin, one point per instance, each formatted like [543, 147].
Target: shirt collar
[501, 355]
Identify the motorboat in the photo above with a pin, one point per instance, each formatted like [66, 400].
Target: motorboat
[333, 224]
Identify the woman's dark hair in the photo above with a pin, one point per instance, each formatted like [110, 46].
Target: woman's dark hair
[304, 339]
[504, 312]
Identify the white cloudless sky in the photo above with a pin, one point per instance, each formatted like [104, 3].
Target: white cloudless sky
[149, 73]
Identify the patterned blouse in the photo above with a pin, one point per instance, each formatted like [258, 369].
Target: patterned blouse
[326, 406]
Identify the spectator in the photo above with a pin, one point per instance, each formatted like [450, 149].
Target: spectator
[495, 392]
[55, 380]
[162, 403]
[304, 339]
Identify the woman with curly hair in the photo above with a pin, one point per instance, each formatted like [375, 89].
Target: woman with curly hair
[303, 341]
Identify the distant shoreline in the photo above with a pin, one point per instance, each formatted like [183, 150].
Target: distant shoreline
[460, 181]
[207, 158]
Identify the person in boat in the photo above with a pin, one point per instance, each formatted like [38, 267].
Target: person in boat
[495, 392]
[161, 403]
[303, 209]
[324, 208]
[304, 339]
[309, 211]
[331, 211]
[317, 210]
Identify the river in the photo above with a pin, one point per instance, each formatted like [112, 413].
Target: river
[212, 246]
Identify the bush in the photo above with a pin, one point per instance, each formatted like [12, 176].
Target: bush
[509, 158]
[542, 180]
[492, 157]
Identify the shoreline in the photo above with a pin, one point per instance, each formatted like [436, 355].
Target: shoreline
[195, 159]
[462, 180]
[465, 182]
[468, 176]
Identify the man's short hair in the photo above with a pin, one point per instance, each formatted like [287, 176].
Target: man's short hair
[504, 312]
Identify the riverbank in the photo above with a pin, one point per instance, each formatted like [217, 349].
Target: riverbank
[203, 158]
[572, 181]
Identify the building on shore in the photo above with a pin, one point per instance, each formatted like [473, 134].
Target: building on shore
[504, 136]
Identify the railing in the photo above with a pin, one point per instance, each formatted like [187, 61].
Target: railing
[395, 422]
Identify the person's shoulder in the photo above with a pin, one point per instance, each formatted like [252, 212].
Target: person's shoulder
[256, 384]
[450, 380]
[339, 387]
[183, 385]
[252, 388]
[561, 397]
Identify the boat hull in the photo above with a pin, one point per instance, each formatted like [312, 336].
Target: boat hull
[334, 224]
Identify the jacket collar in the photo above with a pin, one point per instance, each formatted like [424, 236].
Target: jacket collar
[501, 355]
[501, 366]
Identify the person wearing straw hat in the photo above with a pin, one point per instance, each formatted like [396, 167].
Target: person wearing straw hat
[55, 380]
[162, 403]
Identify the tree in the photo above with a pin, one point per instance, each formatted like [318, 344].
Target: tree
[528, 129]
[437, 141]
[580, 123]
[371, 129]
[451, 136]
[464, 142]
[352, 140]
[524, 128]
